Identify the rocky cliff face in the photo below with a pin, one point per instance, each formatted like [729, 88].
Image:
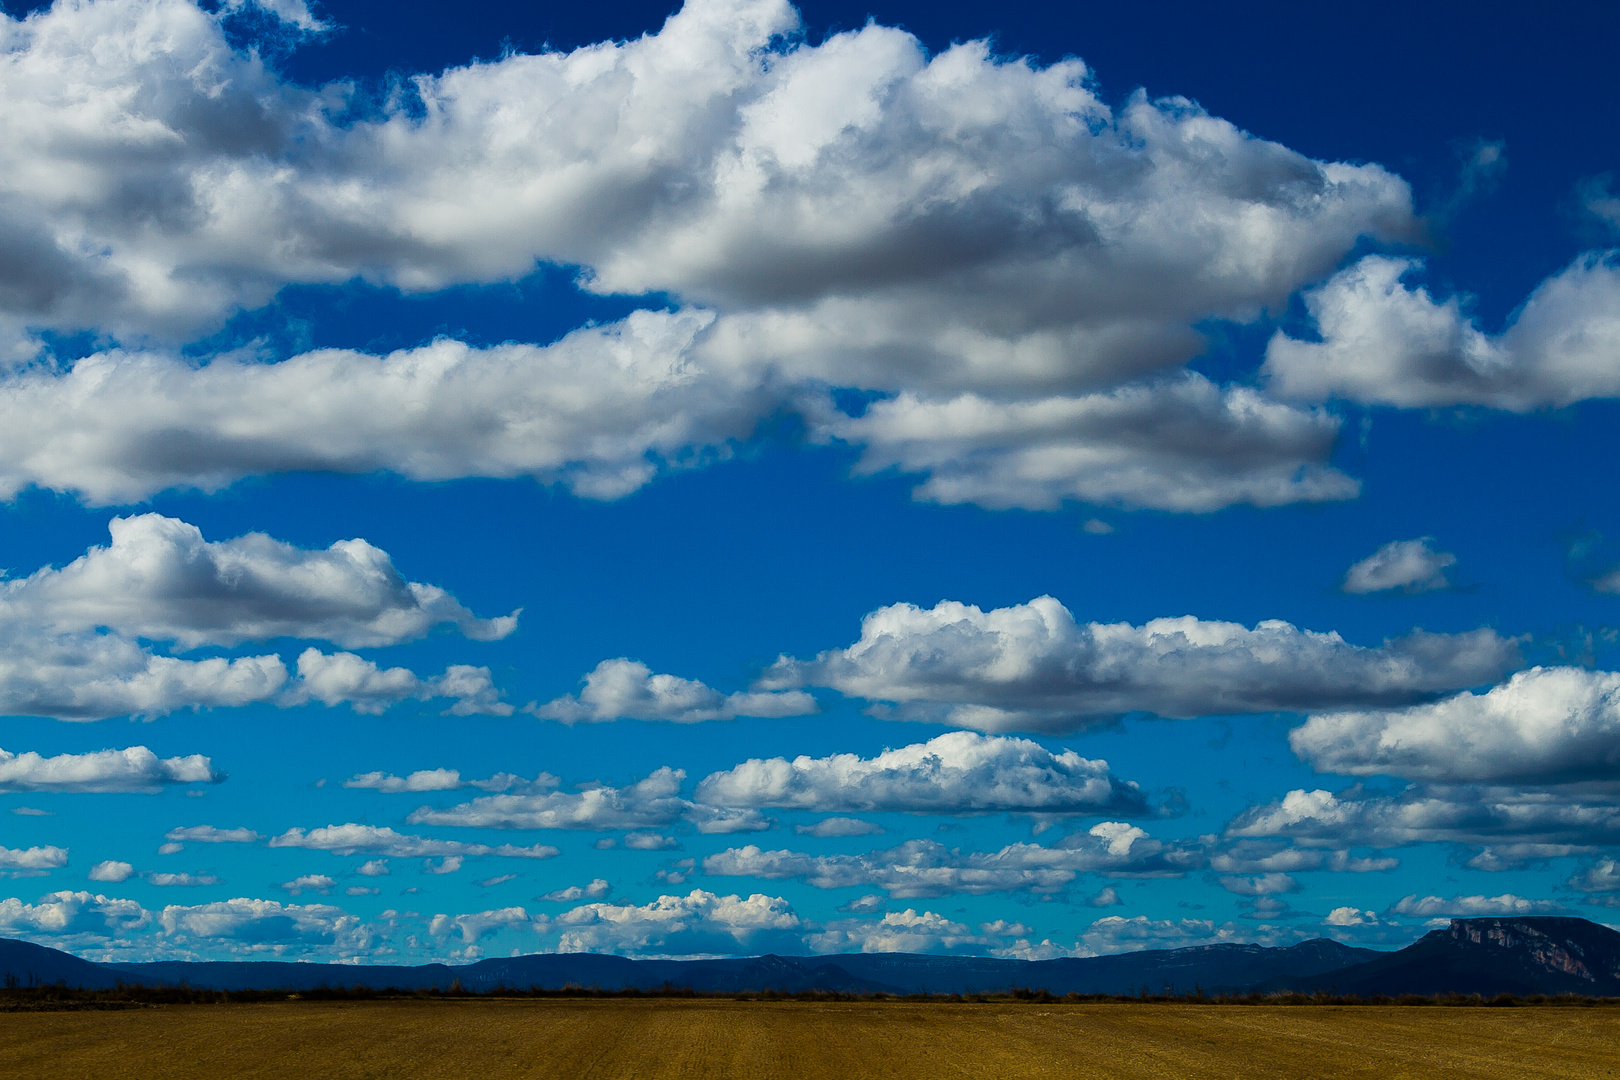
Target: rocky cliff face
[1572, 947]
[1490, 956]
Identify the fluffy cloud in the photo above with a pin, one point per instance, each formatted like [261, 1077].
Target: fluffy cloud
[1385, 342]
[898, 931]
[696, 161]
[1599, 880]
[159, 579]
[1408, 565]
[1032, 667]
[594, 411]
[111, 870]
[69, 643]
[1272, 858]
[646, 804]
[294, 13]
[25, 860]
[698, 923]
[983, 232]
[352, 839]
[338, 678]
[1472, 907]
[309, 882]
[921, 868]
[94, 676]
[132, 769]
[1179, 444]
[953, 773]
[1260, 885]
[184, 881]
[627, 689]
[595, 889]
[1506, 826]
[476, 925]
[66, 913]
[421, 780]
[1116, 934]
[264, 925]
[1544, 725]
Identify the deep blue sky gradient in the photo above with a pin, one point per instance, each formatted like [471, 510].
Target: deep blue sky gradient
[712, 573]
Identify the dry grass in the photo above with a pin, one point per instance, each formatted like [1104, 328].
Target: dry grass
[650, 1040]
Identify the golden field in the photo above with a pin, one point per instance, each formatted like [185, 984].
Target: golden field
[791, 1040]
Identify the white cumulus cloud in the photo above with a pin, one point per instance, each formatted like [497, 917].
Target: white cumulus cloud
[957, 772]
[594, 889]
[699, 923]
[319, 883]
[1504, 826]
[352, 838]
[1543, 725]
[71, 639]
[1473, 907]
[983, 232]
[921, 868]
[1033, 667]
[647, 804]
[627, 689]
[133, 769]
[64, 913]
[1408, 565]
[24, 860]
[476, 925]
[111, 870]
[367, 687]
[160, 579]
[1386, 342]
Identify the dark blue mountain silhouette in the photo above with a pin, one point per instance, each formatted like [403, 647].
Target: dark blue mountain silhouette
[1486, 956]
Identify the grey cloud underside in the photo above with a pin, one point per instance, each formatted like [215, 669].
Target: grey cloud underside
[1032, 667]
[1013, 267]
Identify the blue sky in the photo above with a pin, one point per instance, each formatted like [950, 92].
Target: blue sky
[484, 478]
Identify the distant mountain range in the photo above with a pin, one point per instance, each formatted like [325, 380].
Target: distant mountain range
[1486, 956]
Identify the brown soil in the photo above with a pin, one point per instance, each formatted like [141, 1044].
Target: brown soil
[651, 1040]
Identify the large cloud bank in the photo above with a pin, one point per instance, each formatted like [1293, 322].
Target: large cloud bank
[1022, 263]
